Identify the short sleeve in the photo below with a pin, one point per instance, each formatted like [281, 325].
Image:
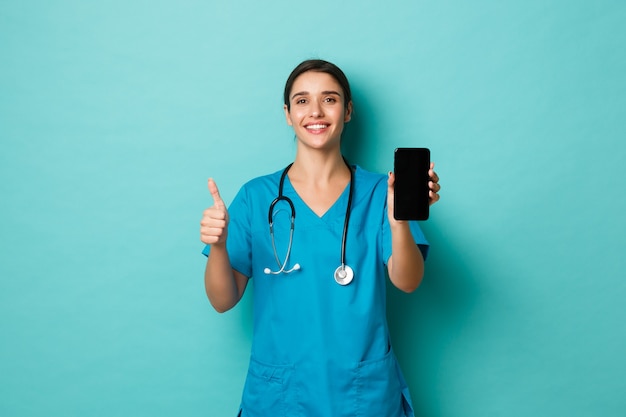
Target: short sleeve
[416, 231]
[419, 237]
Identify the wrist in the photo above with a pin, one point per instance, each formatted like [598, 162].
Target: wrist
[218, 246]
[399, 226]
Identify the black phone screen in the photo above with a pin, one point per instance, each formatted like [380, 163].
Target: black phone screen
[411, 167]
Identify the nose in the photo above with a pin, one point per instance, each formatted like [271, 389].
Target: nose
[316, 110]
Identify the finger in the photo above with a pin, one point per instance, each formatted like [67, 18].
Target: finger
[433, 197]
[434, 186]
[217, 199]
[209, 239]
[213, 214]
[391, 179]
[215, 219]
[211, 231]
[432, 174]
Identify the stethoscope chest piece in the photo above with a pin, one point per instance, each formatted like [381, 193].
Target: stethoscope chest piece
[344, 275]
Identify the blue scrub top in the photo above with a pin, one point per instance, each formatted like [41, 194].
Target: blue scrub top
[319, 348]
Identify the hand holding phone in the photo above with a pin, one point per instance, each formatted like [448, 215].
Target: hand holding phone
[411, 200]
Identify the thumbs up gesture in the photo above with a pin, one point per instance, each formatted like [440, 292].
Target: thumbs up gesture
[214, 223]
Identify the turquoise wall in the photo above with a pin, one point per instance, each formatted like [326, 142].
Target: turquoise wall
[113, 114]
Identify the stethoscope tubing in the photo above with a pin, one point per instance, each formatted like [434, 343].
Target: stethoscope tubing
[343, 274]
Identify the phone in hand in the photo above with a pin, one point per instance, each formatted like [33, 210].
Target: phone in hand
[411, 166]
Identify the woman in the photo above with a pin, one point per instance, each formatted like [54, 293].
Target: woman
[321, 345]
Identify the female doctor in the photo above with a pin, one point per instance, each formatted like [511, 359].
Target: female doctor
[318, 237]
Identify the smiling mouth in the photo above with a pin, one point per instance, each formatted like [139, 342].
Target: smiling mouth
[317, 126]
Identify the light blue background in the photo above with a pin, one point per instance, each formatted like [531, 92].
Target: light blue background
[113, 115]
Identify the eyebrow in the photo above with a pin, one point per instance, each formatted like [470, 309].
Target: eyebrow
[324, 93]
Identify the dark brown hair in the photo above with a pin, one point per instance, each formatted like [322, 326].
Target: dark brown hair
[318, 65]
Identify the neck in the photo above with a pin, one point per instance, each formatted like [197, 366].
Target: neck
[318, 168]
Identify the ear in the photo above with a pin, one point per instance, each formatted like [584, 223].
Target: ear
[348, 114]
[287, 115]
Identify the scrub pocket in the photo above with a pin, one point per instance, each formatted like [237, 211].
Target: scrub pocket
[266, 390]
[380, 391]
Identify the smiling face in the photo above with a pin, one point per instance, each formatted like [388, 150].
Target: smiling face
[317, 110]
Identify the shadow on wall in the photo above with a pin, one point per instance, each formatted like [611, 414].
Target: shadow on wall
[425, 324]
[356, 143]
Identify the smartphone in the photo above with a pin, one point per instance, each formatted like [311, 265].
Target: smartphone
[411, 166]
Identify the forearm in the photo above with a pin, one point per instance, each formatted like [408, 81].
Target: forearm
[219, 280]
[406, 264]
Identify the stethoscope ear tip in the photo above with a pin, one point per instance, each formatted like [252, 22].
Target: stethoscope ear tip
[296, 267]
[267, 271]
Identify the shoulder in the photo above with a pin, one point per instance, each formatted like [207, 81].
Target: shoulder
[263, 180]
[370, 188]
[368, 181]
[258, 190]
[261, 184]
[255, 194]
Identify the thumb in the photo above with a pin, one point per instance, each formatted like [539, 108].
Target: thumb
[391, 181]
[217, 199]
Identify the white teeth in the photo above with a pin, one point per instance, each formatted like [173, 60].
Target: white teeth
[316, 127]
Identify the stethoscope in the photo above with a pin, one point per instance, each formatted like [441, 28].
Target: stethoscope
[343, 274]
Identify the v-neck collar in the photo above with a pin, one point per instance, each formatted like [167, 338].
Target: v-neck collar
[337, 210]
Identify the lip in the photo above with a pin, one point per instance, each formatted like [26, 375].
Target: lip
[316, 126]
